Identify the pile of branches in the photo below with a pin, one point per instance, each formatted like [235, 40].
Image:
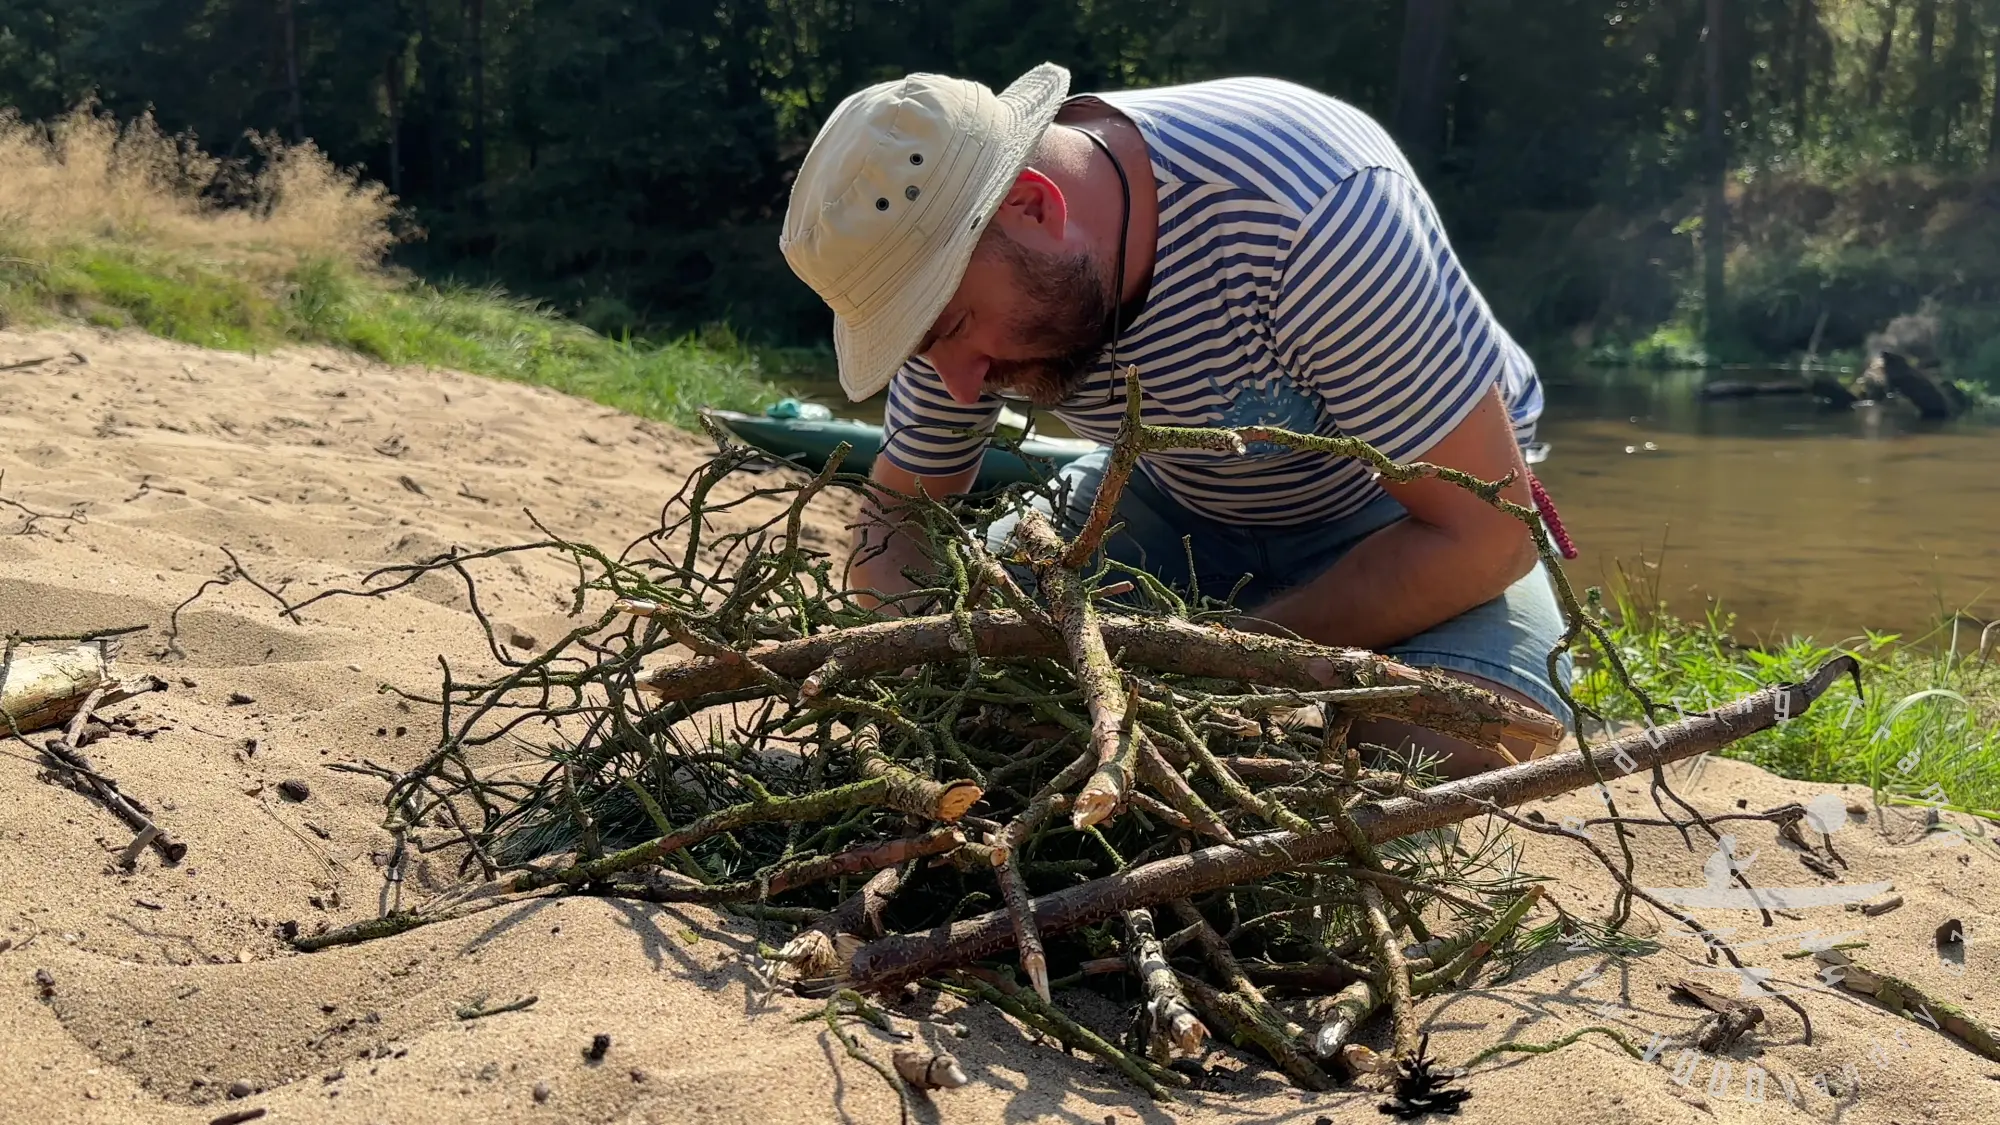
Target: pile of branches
[1037, 760]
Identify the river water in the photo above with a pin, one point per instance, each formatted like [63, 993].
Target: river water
[1796, 518]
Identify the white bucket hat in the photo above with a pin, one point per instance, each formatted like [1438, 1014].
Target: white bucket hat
[891, 200]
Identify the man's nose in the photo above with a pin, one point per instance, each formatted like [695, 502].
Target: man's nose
[963, 372]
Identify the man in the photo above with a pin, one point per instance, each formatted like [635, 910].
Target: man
[1264, 255]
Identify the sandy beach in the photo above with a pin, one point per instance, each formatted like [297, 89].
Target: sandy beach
[168, 995]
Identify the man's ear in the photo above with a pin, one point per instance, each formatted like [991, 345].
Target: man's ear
[1034, 211]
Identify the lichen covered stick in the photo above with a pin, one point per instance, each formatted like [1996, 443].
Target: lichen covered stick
[1104, 693]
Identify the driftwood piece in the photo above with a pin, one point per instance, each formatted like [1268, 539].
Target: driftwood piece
[1730, 1020]
[1164, 644]
[44, 688]
[928, 1071]
[896, 959]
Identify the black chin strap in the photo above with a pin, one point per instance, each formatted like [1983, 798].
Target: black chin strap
[1118, 269]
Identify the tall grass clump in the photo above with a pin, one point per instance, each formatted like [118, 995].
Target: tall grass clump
[123, 226]
[1925, 732]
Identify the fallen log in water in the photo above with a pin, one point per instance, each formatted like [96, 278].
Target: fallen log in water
[1730, 388]
[898, 958]
[1932, 395]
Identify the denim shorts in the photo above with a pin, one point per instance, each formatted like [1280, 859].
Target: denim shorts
[1506, 640]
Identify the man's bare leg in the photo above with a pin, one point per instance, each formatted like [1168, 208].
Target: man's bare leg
[1460, 758]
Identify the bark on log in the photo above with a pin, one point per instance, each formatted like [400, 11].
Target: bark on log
[899, 958]
[1164, 644]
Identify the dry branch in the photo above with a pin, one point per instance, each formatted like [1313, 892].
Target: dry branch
[820, 731]
[62, 752]
[1104, 695]
[1167, 1011]
[1161, 643]
[1248, 1026]
[1395, 973]
[910, 794]
[1903, 997]
[1729, 1018]
[862, 859]
[898, 958]
[1021, 912]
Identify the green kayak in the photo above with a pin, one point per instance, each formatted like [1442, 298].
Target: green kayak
[809, 435]
[807, 432]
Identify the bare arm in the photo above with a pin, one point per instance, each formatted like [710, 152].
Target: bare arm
[1453, 553]
[881, 550]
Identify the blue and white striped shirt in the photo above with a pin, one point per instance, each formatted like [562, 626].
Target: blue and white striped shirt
[1301, 279]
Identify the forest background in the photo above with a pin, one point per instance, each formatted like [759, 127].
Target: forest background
[1652, 180]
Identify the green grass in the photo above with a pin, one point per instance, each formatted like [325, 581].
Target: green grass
[399, 321]
[1926, 731]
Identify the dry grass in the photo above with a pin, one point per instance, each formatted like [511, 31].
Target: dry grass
[122, 226]
[86, 179]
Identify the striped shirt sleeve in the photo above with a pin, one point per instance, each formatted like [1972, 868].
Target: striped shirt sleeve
[929, 434]
[1375, 314]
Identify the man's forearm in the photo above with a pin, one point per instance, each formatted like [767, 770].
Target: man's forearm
[1397, 583]
[882, 551]
[882, 548]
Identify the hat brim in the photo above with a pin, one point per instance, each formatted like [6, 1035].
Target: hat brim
[870, 350]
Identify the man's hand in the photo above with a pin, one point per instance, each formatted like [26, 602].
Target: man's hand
[1454, 552]
[882, 551]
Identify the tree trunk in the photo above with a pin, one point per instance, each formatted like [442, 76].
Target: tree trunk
[1993, 114]
[1879, 65]
[1805, 21]
[1920, 111]
[1423, 74]
[476, 18]
[436, 103]
[393, 88]
[292, 71]
[1715, 162]
[1958, 80]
